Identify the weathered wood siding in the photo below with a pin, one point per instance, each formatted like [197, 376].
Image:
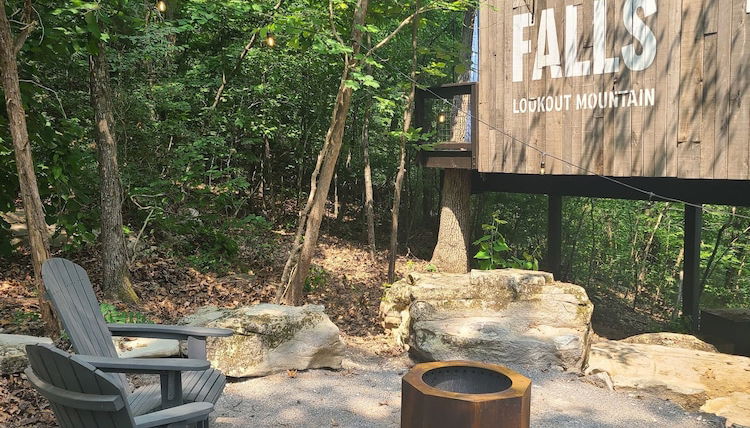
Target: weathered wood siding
[697, 127]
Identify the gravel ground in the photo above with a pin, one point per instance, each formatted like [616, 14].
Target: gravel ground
[367, 393]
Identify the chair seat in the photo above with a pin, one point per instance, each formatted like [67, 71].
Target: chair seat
[196, 386]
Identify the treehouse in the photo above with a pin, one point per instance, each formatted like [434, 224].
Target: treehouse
[631, 99]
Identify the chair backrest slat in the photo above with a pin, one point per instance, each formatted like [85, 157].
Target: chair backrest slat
[72, 295]
[81, 395]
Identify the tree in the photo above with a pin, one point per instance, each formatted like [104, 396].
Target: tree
[32, 202]
[451, 250]
[398, 183]
[306, 238]
[115, 274]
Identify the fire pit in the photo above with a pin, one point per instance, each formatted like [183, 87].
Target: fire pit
[464, 394]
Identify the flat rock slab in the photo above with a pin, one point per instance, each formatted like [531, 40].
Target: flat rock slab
[13, 352]
[141, 347]
[270, 338]
[674, 340]
[689, 377]
[735, 408]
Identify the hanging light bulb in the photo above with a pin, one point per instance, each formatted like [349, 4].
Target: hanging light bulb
[441, 118]
[161, 6]
[270, 40]
[542, 168]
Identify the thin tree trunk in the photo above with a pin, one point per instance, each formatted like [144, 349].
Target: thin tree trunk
[369, 204]
[402, 158]
[298, 263]
[32, 202]
[643, 261]
[115, 275]
[451, 253]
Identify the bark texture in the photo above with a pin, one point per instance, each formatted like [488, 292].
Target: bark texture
[115, 275]
[451, 250]
[298, 265]
[398, 184]
[451, 254]
[32, 202]
[369, 202]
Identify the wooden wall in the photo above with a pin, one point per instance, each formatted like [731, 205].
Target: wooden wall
[698, 126]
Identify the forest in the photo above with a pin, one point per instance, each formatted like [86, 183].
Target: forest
[229, 138]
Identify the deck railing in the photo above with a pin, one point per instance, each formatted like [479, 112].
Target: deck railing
[450, 127]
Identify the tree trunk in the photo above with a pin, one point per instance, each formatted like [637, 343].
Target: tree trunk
[408, 112]
[32, 202]
[451, 252]
[452, 248]
[298, 264]
[369, 203]
[115, 275]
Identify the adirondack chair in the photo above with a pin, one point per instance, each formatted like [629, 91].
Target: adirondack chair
[72, 296]
[83, 396]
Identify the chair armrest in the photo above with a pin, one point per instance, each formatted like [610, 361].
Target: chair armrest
[186, 413]
[158, 331]
[145, 365]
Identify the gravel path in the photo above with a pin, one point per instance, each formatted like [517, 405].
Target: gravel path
[367, 393]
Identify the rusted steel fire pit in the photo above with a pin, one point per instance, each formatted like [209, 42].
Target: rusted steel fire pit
[464, 394]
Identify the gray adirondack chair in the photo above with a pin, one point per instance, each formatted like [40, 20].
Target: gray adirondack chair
[83, 396]
[69, 289]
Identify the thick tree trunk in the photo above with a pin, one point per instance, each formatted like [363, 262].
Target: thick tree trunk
[369, 203]
[115, 275]
[451, 250]
[393, 248]
[298, 265]
[451, 254]
[32, 202]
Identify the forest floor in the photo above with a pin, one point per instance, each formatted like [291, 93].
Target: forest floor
[345, 280]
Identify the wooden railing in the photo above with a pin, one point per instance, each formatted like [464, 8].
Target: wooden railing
[448, 116]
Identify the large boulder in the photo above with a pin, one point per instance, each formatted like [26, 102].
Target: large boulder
[688, 376]
[503, 316]
[13, 351]
[675, 340]
[270, 338]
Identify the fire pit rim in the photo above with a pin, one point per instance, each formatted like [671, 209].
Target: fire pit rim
[519, 383]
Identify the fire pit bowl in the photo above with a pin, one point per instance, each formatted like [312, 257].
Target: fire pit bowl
[464, 394]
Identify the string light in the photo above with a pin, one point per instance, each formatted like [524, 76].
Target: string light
[161, 6]
[441, 118]
[270, 40]
[542, 168]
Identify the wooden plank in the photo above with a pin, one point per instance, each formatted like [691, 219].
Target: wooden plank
[723, 82]
[708, 131]
[536, 122]
[490, 73]
[507, 127]
[585, 155]
[623, 126]
[738, 109]
[672, 97]
[608, 84]
[690, 115]
[553, 119]
[484, 88]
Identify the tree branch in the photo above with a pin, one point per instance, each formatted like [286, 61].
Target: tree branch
[238, 63]
[400, 27]
[22, 36]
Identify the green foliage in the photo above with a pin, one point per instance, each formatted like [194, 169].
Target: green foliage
[114, 316]
[318, 277]
[20, 317]
[494, 252]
